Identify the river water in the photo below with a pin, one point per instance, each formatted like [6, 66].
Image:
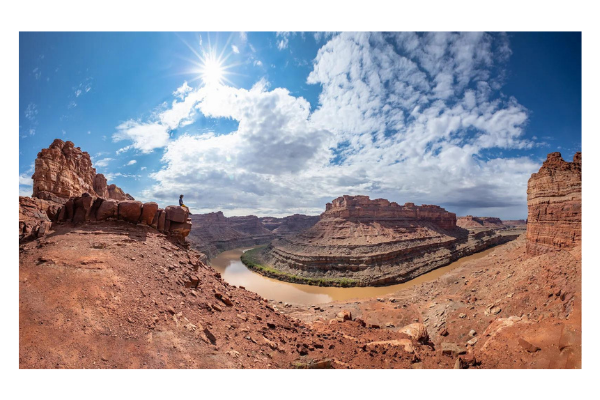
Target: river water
[236, 273]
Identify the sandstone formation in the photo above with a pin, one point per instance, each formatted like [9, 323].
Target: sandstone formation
[289, 225]
[554, 205]
[63, 171]
[363, 242]
[470, 221]
[515, 222]
[115, 192]
[213, 233]
[85, 209]
[35, 217]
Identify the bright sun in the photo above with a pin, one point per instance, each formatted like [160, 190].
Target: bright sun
[212, 71]
[210, 65]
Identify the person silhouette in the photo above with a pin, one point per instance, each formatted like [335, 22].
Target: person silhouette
[183, 205]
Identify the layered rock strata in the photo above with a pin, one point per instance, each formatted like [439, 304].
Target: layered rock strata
[213, 233]
[289, 225]
[63, 171]
[363, 242]
[470, 221]
[554, 205]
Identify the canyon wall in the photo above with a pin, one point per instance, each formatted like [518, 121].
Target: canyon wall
[362, 208]
[470, 221]
[214, 233]
[554, 205]
[363, 242]
[63, 171]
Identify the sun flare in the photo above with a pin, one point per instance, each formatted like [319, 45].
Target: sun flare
[212, 71]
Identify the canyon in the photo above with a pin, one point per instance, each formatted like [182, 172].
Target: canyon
[214, 233]
[364, 242]
[117, 283]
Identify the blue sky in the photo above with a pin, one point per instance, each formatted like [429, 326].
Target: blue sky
[284, 122]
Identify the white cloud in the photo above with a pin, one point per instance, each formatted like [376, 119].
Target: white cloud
[31, 112]
[407, 117]
[258, 63]
[32, 132]
[123, 149]
[131, 162]
[103, 162]
[145, 136]
[235, 49]
[143, 168]
[25, 180]
[283, 41]
[111, 176]
[182, 91]
[243, 37]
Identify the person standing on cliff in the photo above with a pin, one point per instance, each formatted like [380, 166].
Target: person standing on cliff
[183, 205]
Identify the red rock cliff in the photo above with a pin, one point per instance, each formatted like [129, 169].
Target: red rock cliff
[63, 171]
[363, 208]
[554, 205]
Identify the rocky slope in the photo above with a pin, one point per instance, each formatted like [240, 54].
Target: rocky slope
[359, 241]
[554, 205]
[506, 310]
[111, 294]
[214, 233]
[63, 171]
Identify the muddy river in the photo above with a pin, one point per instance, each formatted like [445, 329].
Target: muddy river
[236, 273]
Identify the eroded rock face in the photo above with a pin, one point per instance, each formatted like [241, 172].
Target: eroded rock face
[470, 221]
[63, 171]
[358, 208]
[359, 241]
[554, 205]
[107, 209]
[115, 192]
[101, 186]
[149, 212]
[35, 217]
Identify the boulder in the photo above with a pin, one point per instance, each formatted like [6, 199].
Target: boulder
[82, 207]
[33, 218]
[107, 209]
[180, 230]
[344, 315]
[452, 349]
[130, 210]
[417, 331]
[148, 212]
[176, 214]
[154, 222]
[161, 221]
